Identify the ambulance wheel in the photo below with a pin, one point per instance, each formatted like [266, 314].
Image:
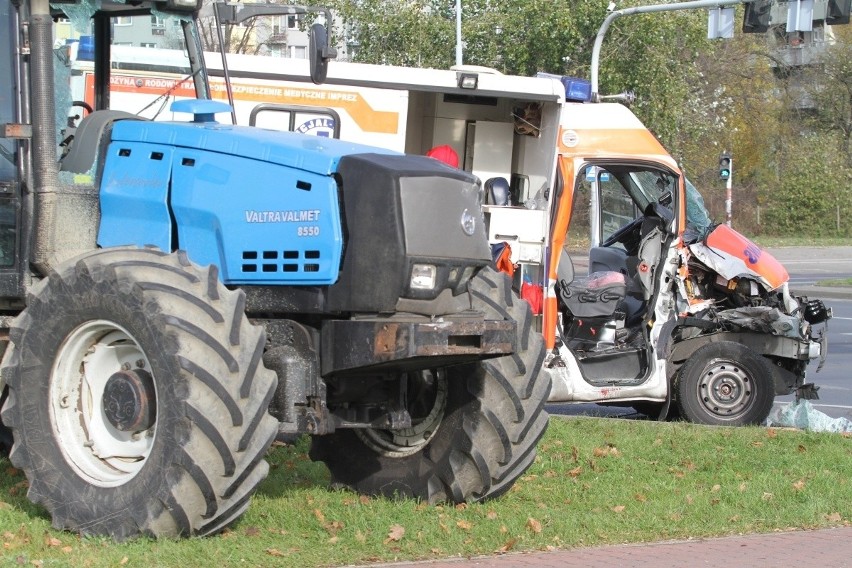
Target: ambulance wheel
[725, 383]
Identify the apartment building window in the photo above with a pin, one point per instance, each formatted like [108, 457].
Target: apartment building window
[158, 26]
[148, 44]
[122, 20]
[298, 52]
[283, 23]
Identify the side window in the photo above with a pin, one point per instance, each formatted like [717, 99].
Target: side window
[8, 148]
[617, 207]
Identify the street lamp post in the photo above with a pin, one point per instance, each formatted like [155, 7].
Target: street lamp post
[458, 33]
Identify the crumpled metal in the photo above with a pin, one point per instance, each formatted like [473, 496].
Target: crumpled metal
[763, 319]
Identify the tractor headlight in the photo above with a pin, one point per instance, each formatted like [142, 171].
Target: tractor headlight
[423, 276]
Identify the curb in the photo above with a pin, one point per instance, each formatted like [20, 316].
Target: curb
[820, 292]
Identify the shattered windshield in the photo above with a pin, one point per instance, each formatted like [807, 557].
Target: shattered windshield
[698, 221]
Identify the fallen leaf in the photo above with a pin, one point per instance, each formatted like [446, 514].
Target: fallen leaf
[801, 449]
[491, 515]
[395, 533]
[575, 454]
[689, 499]
[734, 519]
[767, 496]
[67, 549]
[12, 471]
[534, 525]
[124, 561]
[461, 506]
[742, 486]
[320, 517]
[799, 485]
[503, 529]
[641, 498]
[360, 537]
[252, 531]
[364, 500]
[37, 563]
[464, 525]
[715, 488]
[52, 541]
[757, 444]
[576, 471]
[771, 433]
[333, 540]
[509, 545]
[274, 552]
[618, 508]
[833, 517]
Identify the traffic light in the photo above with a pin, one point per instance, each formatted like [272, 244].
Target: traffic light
[725, 166]
[756, 16]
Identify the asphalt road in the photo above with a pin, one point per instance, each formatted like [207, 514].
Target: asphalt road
[806, 266]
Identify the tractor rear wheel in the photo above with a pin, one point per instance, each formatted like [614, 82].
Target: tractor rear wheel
[475, 427]
[137, 398]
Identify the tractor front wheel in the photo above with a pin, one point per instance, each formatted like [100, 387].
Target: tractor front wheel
[136, 396]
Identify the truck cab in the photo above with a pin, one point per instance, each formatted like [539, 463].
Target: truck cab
[667, 312]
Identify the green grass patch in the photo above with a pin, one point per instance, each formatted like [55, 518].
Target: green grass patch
[836, 282]
[596, 481]
[767, 241]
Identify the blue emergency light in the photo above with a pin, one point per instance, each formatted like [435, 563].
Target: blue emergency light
[577, 90]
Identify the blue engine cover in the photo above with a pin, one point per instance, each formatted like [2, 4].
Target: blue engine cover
[261, 205]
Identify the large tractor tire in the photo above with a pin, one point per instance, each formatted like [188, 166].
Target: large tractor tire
[725, 383]
[5, 433]
[474, 427]
[137, 398]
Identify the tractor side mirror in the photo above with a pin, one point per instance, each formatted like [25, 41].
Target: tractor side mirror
[320, 53]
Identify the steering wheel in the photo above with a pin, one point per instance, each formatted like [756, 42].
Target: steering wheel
[622, 234]
[82, 104]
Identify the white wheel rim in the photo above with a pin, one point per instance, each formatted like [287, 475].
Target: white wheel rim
[726, 389]
[407, 441]
[98, 452]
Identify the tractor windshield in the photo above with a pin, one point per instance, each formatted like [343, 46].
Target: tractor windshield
[143, 68]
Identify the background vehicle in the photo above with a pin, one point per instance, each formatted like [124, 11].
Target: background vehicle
[176, 294]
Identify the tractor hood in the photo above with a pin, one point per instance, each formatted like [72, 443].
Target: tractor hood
[731, 255]
[313, 154]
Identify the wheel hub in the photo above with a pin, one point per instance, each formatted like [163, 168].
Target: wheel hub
[129, 401]
[726, 389]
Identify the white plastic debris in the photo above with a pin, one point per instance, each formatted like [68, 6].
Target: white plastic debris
[802, 415]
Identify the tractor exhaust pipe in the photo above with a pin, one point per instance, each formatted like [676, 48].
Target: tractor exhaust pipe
[66, 219]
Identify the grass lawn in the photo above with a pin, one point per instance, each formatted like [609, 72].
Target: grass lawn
[596, 481]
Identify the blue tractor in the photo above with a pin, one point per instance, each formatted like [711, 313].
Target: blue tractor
[175, 295]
